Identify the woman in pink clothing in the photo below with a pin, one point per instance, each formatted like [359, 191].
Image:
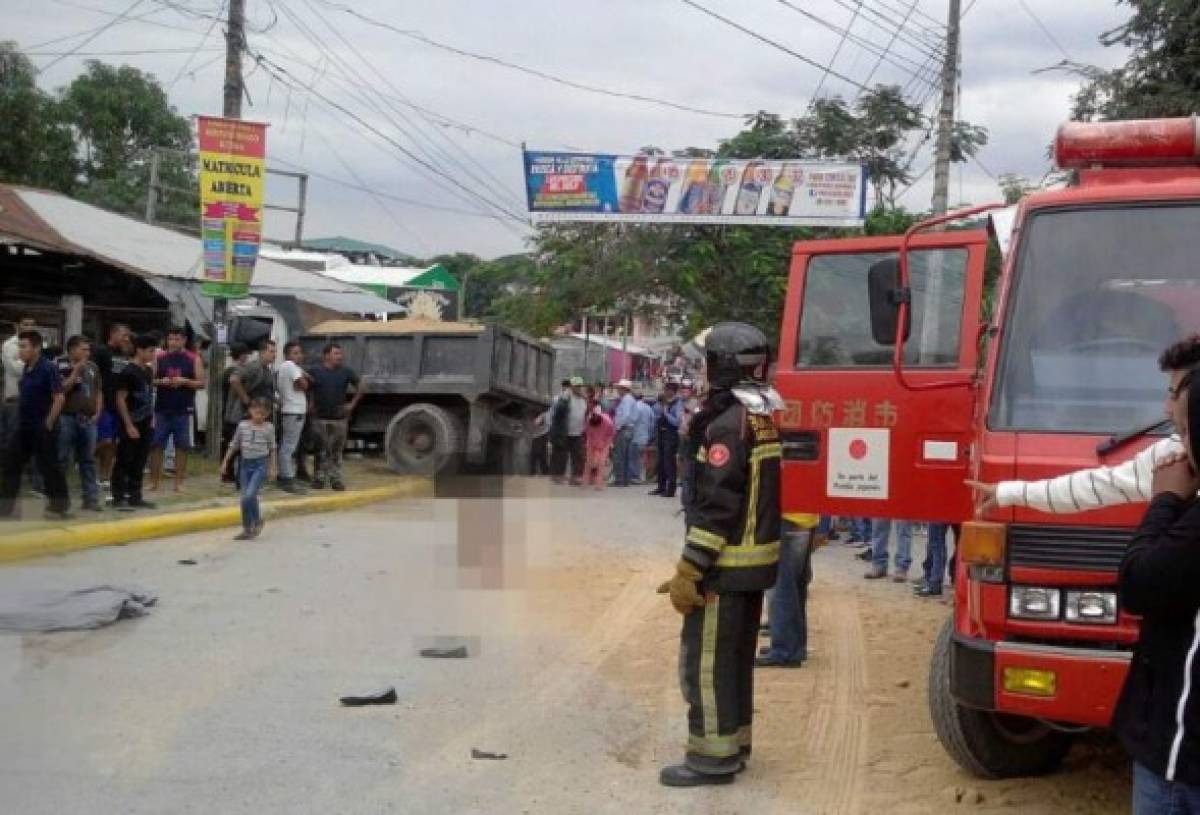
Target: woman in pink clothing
[598, 434]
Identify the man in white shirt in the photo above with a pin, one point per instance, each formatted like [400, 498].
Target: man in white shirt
[576, 414]
[14, 368]
[292, 385]
[1126, 483]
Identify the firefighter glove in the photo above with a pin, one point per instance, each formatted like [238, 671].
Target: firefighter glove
[684, 588]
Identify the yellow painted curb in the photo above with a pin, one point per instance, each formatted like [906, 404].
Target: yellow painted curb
[130, 530]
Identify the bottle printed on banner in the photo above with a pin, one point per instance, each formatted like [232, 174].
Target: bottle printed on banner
[720, 178]
[633, 185]
[658, 184]
[750, 192]
[784, 189]
[695, 198]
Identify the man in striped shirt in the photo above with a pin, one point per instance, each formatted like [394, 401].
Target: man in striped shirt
[1093, 488]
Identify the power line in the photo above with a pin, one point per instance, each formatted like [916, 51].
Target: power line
[836, 52]
[773, 43]
[891, 43]
[199, 45]
[867, 45]
[132, 53]
[284, 77]
[442, 119]
[114, 21]
[139, 18]
[419, 37]
[873, 17]
[493, 185]
[1049, 35]
[430, 161]
[375, 196]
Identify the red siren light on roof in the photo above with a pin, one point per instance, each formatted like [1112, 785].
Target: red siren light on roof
[1133, 143]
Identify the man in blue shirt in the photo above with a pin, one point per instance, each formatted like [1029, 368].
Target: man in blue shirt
[624, 457]
[39, 403]
[643, 434]
[669, 413]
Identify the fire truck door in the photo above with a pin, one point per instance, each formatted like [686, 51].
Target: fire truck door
[858, 439]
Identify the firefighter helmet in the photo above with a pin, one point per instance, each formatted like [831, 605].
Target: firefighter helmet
[735, 354]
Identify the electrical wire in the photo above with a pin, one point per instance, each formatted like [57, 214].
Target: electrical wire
[441, 119]
[889, 46]
[137, 18]
[282, 75]
[132, 53]
[636, 97]
[1049, 34]
[374, 196]
[114, 21]
[199, 45]
[836, 53]
[487, 180]
[873, 17]
[429, 160]
[772, 43]
[871, 47]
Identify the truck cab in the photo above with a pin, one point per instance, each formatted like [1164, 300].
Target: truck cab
[903, 375]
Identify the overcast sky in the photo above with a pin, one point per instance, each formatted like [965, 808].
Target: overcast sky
[656, 48]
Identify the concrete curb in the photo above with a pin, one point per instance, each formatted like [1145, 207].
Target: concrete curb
[57, 541]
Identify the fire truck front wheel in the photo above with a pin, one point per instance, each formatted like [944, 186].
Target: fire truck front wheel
[983, 742]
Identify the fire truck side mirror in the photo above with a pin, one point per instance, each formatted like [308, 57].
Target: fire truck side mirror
[883, 287]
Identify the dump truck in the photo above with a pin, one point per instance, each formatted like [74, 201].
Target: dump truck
[443, 396]
[900, 382]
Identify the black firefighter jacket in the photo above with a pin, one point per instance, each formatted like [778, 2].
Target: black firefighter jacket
[733, 517]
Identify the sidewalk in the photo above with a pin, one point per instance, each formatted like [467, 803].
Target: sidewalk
[205, 504]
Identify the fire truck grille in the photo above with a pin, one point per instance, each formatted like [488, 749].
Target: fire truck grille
[1072, 548]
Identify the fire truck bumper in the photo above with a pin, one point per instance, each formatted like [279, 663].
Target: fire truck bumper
[1057, 683]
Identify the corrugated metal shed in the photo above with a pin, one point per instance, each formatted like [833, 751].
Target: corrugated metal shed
[168, 260]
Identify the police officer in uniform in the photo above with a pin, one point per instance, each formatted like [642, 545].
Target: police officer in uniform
[729, 556]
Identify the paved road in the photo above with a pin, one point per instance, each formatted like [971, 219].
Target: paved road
[224, 700]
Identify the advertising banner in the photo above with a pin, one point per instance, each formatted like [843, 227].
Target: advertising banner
[669, 189]
[232, 176]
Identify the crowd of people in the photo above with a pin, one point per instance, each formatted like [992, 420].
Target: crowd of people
[117, 410]
[616, 436]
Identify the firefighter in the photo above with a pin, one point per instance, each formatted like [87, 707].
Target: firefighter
[729, 557]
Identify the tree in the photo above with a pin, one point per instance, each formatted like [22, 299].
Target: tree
[119, 116]
[37, 147]
[1161, 78]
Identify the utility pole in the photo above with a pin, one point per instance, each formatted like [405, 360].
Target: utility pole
[941, 164]
[152, 192]
[235, 40]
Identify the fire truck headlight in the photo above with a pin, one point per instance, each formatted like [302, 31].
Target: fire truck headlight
[1092, 607]
[1034, 603]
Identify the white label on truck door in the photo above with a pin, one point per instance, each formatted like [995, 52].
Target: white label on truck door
[858, 462]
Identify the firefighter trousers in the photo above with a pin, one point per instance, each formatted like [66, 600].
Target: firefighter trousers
[717, 648]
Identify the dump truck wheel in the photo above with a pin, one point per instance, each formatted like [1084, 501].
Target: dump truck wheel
[423, 439]
[983, 742]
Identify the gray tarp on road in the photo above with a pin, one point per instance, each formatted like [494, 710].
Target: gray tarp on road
[72, 609]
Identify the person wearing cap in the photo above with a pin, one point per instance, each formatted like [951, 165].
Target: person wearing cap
[558, 432]
[625, 419]
[577, 408]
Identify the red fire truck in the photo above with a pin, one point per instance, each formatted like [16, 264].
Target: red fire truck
[902, 378]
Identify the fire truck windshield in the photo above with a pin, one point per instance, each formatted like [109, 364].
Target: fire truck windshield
[1099, 293]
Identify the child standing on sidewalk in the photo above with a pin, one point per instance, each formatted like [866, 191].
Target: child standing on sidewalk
[598, 435]
[254, 439]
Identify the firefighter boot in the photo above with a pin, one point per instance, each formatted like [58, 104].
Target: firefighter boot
[681, 775]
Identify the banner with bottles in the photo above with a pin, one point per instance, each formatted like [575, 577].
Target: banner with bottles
[671, 189]
[232, 174]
